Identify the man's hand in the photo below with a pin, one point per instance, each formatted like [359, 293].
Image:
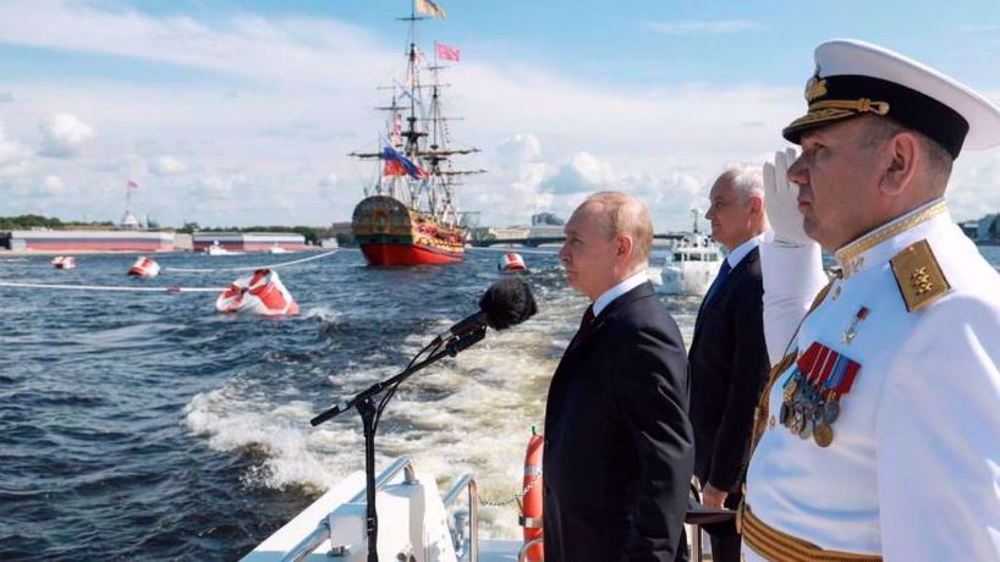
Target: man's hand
[711, 497]
[781, 200]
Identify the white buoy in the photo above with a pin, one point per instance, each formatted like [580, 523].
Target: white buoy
[64, 262]
[260, 293]
[144, 267]
[511, 262]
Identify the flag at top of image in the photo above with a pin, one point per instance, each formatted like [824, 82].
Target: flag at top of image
[430, 8]
[446, 52]
[132, 185]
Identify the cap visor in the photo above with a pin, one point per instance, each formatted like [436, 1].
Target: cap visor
[814, 119]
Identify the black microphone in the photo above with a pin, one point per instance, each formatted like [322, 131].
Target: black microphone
[505, 303]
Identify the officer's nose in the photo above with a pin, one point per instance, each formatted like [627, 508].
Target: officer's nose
[797, 172]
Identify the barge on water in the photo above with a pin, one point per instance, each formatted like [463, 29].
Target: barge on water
[88, 240]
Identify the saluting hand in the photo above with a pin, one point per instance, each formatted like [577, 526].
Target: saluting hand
[781, 200]
[712, 497]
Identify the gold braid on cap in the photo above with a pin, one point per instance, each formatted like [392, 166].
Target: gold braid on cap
[863, 105]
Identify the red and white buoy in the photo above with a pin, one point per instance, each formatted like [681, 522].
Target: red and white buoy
[64, 262]
[260, 293]
[511, 262]
[144, 267]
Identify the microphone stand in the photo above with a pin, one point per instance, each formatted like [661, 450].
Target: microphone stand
[365, 404]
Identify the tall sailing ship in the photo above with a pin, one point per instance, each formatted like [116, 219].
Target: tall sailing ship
[409, 214]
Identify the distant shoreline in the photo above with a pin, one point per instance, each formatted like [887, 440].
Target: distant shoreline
[4, 252]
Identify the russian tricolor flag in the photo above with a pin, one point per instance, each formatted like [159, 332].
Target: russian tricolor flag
[396, 164]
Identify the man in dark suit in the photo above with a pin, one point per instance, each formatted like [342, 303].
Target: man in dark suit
[618, 443]
[728, 357]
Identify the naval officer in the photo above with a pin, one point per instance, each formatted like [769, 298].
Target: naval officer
[878, 432]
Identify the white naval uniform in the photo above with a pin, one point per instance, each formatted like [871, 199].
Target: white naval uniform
[913, 472]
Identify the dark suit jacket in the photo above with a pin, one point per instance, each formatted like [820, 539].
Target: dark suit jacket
[729, 366]
[618, 443]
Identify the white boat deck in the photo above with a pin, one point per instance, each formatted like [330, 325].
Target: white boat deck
[413, 520]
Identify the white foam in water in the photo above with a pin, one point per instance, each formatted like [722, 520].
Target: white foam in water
[324, 313]
[469, 414]
[231, 424]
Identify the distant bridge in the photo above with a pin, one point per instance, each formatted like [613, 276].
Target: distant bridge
[536, 241]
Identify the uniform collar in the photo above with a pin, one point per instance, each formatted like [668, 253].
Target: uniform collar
[879, 245]
[618, 290]
[737, 254]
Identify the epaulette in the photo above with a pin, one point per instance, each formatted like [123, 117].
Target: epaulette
[919, 276]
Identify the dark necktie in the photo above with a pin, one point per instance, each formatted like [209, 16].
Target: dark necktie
[720, 280]
[588, 319]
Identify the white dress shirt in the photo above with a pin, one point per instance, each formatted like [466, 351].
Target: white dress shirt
[736, 255]
[620, 289]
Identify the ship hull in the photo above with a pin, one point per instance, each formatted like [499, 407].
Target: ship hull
[388, 255]
[391, 234]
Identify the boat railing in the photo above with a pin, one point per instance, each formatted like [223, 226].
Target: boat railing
[466, 545]
[321, 533]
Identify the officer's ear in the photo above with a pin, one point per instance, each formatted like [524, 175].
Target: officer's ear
[623, 246]
[902, 153]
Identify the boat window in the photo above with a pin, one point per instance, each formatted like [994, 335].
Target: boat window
[678, 256]
[695, 257]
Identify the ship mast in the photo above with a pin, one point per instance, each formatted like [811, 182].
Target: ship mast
[424, 119]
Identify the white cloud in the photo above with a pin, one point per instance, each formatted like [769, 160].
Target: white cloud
[167, 165]
[53, 185]
[329, 180]
[692, 28]
[64, 135]
[216, 187]
[583, 173]
[974, 189]
[277, 151]
[292, 48]
[519, 149]
[14, 157]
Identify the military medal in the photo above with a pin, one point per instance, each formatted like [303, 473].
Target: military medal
[831, 409]
[823, 434]
[811, 394]
[852, 330]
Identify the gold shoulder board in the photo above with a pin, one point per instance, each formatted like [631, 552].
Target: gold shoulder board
[919, 276]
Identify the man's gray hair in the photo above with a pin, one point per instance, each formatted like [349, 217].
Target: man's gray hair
[747, 181]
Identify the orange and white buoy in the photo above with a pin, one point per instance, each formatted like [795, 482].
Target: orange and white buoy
[144, 267]
[511, 262]
[531, 499]
[260, 293]
[64, 262]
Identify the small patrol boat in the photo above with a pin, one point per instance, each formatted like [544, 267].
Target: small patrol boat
[689, 266]
[217, 249]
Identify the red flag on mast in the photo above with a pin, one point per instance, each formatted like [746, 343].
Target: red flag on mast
[447, 52]
[132, 185]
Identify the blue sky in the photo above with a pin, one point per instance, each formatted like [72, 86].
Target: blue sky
[242, 112]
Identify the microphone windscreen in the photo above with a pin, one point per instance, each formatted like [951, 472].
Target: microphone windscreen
[508, 302]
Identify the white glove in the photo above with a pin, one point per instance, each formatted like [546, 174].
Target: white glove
[781, 200]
